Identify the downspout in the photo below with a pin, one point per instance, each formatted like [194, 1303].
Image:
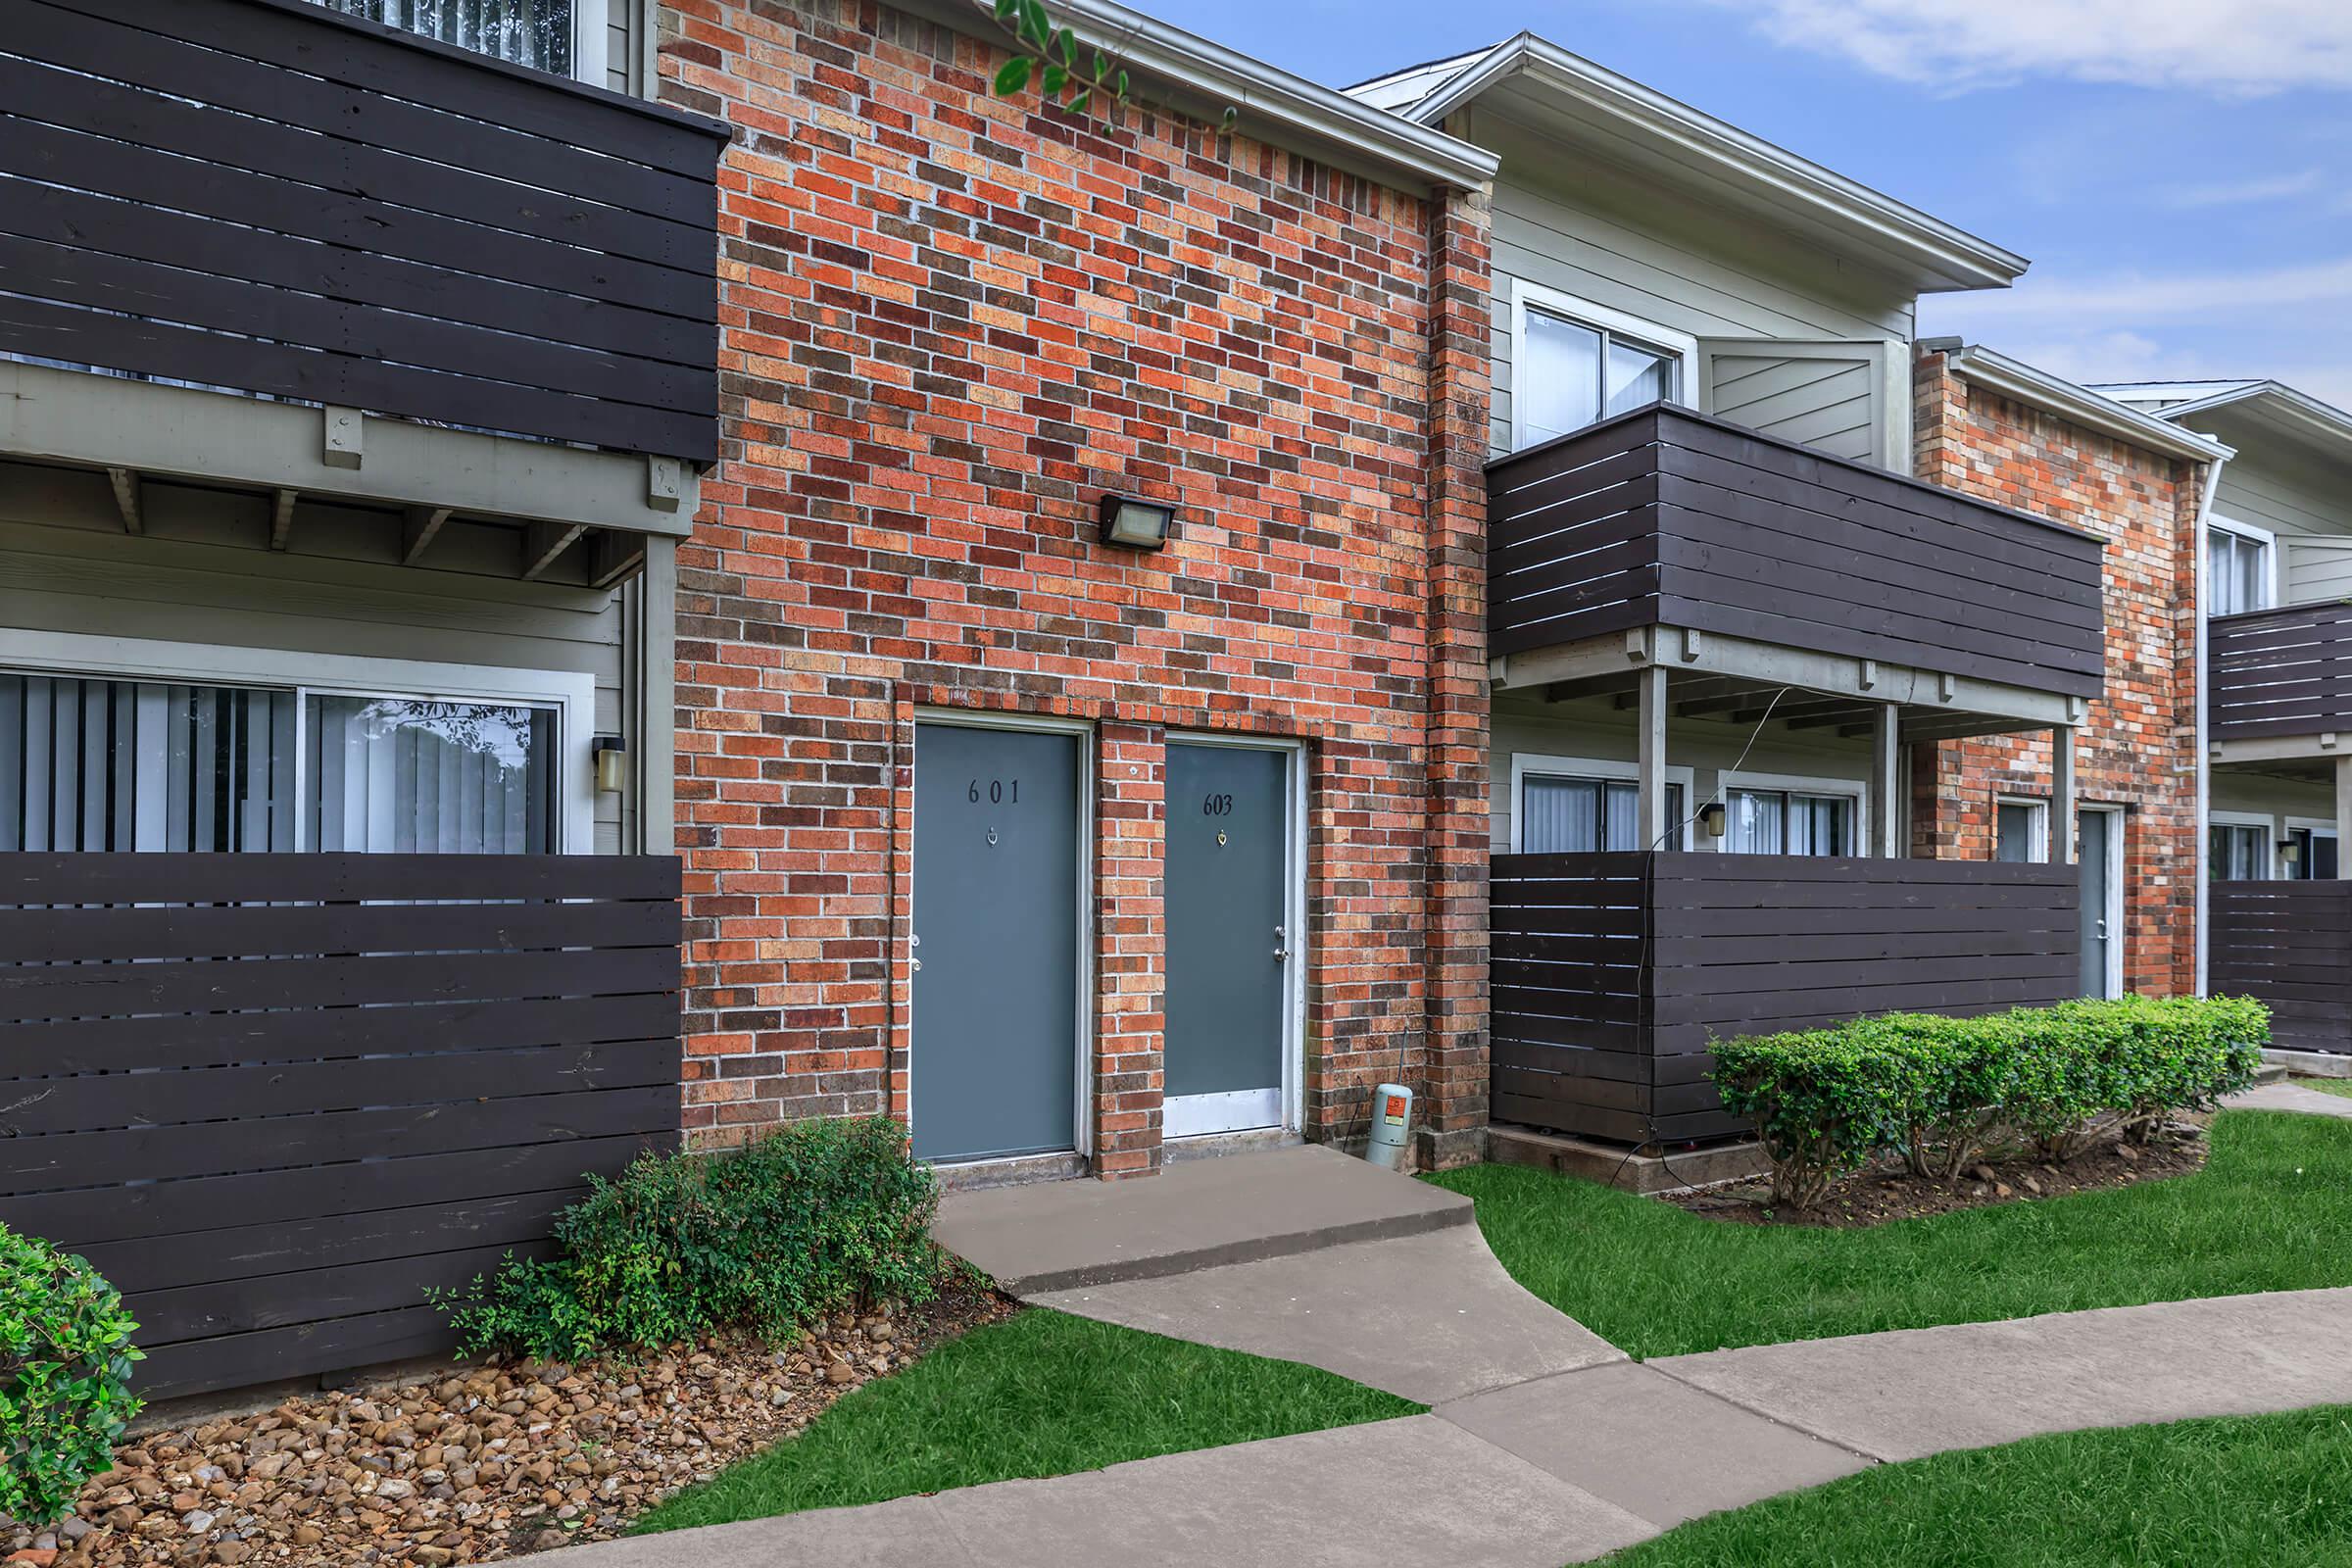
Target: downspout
[2201, 576]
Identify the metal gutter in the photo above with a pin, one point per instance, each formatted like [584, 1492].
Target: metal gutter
[2013, 378]
[1272, 104]
[1722, 149]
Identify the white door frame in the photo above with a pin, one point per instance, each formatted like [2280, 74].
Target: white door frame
[1295, 931]
[1082, 1135]
[2113, 817]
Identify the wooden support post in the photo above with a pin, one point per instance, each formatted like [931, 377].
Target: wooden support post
[2062, 793]
[2343, 817]
[1650, 814]
[1887, 781]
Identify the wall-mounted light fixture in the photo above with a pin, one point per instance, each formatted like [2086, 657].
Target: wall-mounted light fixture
[2290, 853]
[611, 753]
[1714, 818]
[1136, 524]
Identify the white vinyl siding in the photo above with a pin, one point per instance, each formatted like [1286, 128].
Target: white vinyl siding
[1833, 403]
[621, 45]
[1602, 236]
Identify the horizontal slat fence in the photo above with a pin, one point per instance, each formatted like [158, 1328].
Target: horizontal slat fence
[2285, 672]
[1662, 516]
[270, 197]
[2287, 945]
[1612, 975]
[276, 1096]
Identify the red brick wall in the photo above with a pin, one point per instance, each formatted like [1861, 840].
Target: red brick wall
[2138, 748]
[949, 324]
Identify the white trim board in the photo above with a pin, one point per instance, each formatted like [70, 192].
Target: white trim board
[571, 693]
[2041, 807]
[1681, 346]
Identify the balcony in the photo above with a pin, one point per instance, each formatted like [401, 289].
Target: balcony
[1674, 536]
[1613, 973]
[2279, 676]
[2289, 944]
[265, 197]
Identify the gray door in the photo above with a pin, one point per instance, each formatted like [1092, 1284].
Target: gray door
[996, 926]
[1227, 889]
[2097, 896]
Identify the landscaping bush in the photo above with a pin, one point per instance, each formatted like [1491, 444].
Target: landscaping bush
[1826, 1101]
[64, 1376]
[812, 1218]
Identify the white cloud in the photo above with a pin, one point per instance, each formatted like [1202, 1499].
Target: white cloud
[2223, 46]
[2131, 297]
[2244, 192]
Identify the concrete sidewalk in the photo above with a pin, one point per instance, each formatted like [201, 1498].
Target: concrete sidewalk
[2292, 1097]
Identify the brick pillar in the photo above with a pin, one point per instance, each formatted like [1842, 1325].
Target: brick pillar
[1455, 1076]
[1131, 964]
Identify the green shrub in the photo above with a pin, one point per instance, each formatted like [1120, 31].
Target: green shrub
[64, 1376]
[1825, 1101]
[816, 1217]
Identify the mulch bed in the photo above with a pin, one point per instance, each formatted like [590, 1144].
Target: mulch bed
[481, 1464]
[1886, 1192]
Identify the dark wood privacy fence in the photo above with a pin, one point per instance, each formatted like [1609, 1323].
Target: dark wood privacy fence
[1613, 973]
[1663, 517]
[267, 196]
[2287, 945]
[275, 1097]
[2284, 672]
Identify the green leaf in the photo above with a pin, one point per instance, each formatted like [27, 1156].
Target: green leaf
[1067, 43]
[1055, 80]
[1014, 76]
[1008, 10]
[1079, 103]
[1122, 85]
[1036, 25]
[1102, 67]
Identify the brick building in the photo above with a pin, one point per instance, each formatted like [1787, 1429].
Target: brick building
[1989, 426]
[952, 326]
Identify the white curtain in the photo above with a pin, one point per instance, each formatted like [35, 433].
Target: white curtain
[1577, 815]
[116, 765]
[1557, 380]
[390, 775]
[527, 33]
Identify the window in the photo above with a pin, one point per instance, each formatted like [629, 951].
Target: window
[1576, 364]
[2239, 559]
[553, 35]
[2315, 853]
[1791, 822]
[1559, 815]
[2239, 852]
[2021, 831]
[100, 765]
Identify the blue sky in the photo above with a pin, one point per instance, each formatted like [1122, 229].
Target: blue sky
[2180, 171]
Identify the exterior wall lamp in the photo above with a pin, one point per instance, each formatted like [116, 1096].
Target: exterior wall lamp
[1714, 818]
[1135, 525]
[611, 753]
[2291, 853]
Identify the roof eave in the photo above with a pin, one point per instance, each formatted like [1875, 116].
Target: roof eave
[1997, 372]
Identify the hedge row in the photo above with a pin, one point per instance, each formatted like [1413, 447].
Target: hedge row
[1825, 1101]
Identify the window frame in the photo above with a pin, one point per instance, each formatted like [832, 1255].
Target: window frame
[1577, 769]
[2265, 538]
[2265, 823]
[1680, 347]
[1854, 790]
[2315, 828]
[570, 694]
[589, 61]
[2039, 808]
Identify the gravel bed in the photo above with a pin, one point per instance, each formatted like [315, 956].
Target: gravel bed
[479, 1464]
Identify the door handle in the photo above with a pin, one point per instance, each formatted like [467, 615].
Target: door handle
[1282, 948]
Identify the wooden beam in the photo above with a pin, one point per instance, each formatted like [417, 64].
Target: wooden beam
[1650, 809]
[612, 556]
[544, 542]
[127, 499]
[281, 519]
[1887, 778]
[417, 532]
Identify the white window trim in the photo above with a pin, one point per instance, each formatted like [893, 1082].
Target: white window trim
[1543, 765]
[2260, 819]
[2040, 807]
[572, 694]
[2274, 587]
[1681, 346]
[1799, 784]
[588, 41]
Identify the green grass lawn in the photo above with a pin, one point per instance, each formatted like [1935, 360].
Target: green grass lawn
[2265, 1490]
[2328, 1086]
[1043, 1394]
[2271, 1211]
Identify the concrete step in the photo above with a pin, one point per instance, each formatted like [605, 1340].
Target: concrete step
[1057, 1235]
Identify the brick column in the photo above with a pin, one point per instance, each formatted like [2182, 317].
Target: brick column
[1454, 1112]
[1131, 946]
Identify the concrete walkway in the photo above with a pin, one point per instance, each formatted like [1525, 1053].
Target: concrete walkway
[2292, 1097]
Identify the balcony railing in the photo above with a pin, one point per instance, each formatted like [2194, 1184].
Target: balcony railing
[268, 197]
[1661, 516]
[2287, 945]
[1613, 974]
[2280, 673]
[276, 1096]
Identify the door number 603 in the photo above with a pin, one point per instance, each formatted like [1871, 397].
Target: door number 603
[1216, 805]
